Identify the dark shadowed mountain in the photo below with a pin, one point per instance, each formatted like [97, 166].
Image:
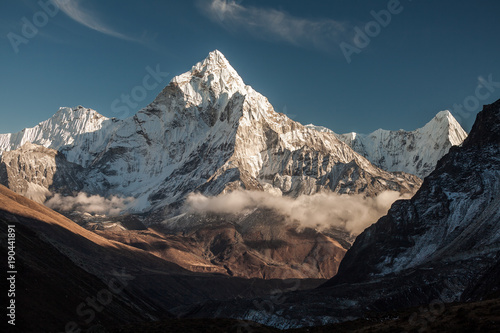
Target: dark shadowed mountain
[455, 216]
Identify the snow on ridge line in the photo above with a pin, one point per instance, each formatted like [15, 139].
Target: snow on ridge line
[415, 152]
[58, 131]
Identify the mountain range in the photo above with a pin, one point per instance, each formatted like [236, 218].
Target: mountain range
[210, 133]
[415, 152]
[211, 202]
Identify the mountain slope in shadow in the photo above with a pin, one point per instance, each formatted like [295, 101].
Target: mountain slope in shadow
[61, 265]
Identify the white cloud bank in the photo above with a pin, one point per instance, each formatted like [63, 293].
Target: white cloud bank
[354, 213]
[274, 24]
[93, 204]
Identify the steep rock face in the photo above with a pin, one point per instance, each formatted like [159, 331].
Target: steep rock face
[454, 216]
[415, 152]
[34, 170]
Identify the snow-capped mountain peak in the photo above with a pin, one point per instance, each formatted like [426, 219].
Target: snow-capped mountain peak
[415, 152]
[61, 130]
[215, 63]
[206, 81]
[444, 122]
[208, 132]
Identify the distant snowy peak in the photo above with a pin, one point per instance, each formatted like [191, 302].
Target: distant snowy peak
[444, 122]
[415, 152]
[60, 130]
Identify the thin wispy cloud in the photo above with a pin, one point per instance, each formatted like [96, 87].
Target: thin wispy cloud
[274, 24]
[74, 10]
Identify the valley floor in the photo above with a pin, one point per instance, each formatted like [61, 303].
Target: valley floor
[482, 316]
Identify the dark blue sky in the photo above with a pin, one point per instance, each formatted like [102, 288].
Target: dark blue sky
[429, 57]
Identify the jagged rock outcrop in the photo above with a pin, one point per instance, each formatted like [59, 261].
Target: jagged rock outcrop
[34, 170]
